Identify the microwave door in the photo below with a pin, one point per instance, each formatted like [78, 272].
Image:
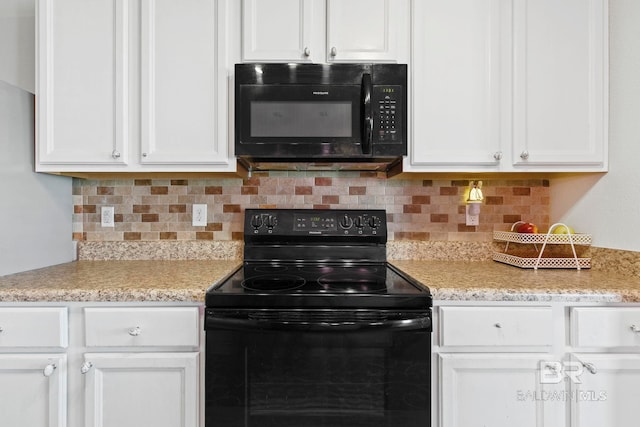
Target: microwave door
[367, 115]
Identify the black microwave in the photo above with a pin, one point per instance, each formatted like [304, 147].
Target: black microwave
[320, 113]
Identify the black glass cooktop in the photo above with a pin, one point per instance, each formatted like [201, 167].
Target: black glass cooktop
[313, 285]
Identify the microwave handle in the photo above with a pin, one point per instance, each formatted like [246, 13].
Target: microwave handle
[367, 115]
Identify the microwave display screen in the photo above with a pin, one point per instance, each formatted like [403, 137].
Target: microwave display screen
[301, 119]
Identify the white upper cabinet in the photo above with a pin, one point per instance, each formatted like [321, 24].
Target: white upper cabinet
[325, 30]
[183, 105]
[560, 84]
[132, 86]
[509, 86]
[282, 30]
[82, 82]
[458, 105]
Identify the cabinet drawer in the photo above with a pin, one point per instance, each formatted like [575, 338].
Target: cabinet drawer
[605, 327]
[142, 327]
[495, 326]
[33, 327]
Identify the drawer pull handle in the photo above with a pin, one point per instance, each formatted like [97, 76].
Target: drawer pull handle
[590, 367]
[498, 325]
[634, 328]
[134, 332]
[48, 370]
[86, 367]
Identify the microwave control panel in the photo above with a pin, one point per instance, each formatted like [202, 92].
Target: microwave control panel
[387, 108]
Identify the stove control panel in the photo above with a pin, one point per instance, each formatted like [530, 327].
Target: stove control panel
[315, 222]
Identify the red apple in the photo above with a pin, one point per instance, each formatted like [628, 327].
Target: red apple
[527, 227]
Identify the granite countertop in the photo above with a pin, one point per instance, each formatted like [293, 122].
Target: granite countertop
[120, 281]
[493, 281]
[188, 280]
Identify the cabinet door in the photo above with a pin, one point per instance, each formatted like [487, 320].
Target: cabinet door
[367, 30]
[457, 81]
[560, 73]
[82, 108]
[608, 392]
[282, 30]
[141, 389]
[497, 390]
[33, 389]
[183, 84]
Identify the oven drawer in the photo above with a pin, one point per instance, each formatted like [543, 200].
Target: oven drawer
[33, 327]
[496, 326]
[605, 327]
[142, 327]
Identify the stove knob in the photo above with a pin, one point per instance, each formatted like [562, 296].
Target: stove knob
[346, 222]
[359, 222]
[374, 222]
[271, 221]
[256, 221]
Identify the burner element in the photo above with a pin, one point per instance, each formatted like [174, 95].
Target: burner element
[273, 283]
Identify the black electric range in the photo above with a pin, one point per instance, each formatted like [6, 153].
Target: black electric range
[316, 328]
[317, 258]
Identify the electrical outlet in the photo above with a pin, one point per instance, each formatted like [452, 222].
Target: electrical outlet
[472, 219]
[107, 216]
[199, 216]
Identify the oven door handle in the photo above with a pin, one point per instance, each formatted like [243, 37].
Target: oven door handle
[409, 324]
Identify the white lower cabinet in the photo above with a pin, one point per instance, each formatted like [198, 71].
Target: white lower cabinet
[137, 389]
[140, 366]
[488, 366]
[33, 366]
[100, 365]
[496, 390]
[606, 355]
[538, 364]
[608, 392]
[33, 390]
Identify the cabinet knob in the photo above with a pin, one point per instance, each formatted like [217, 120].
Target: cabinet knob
[307, 52]
[115, 154]
[334, 52]
[86, 367]
[524, 155]
[634, 328]
[498, 325]
[134, 332]
[1, 329]
[49, 369]
[497, 155]
[144, 154]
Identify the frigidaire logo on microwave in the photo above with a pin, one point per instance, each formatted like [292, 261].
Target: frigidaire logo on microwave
[320, 93]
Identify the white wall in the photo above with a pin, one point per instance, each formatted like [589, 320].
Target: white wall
[608, 206]
[35, 209]
[17, 43]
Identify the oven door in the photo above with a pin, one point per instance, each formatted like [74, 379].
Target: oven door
[312, 121]
[317, 368]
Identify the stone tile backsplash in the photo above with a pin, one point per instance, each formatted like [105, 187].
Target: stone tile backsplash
[417, 209]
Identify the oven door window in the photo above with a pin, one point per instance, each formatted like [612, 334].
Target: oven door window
[299, 113]
[318, 379]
